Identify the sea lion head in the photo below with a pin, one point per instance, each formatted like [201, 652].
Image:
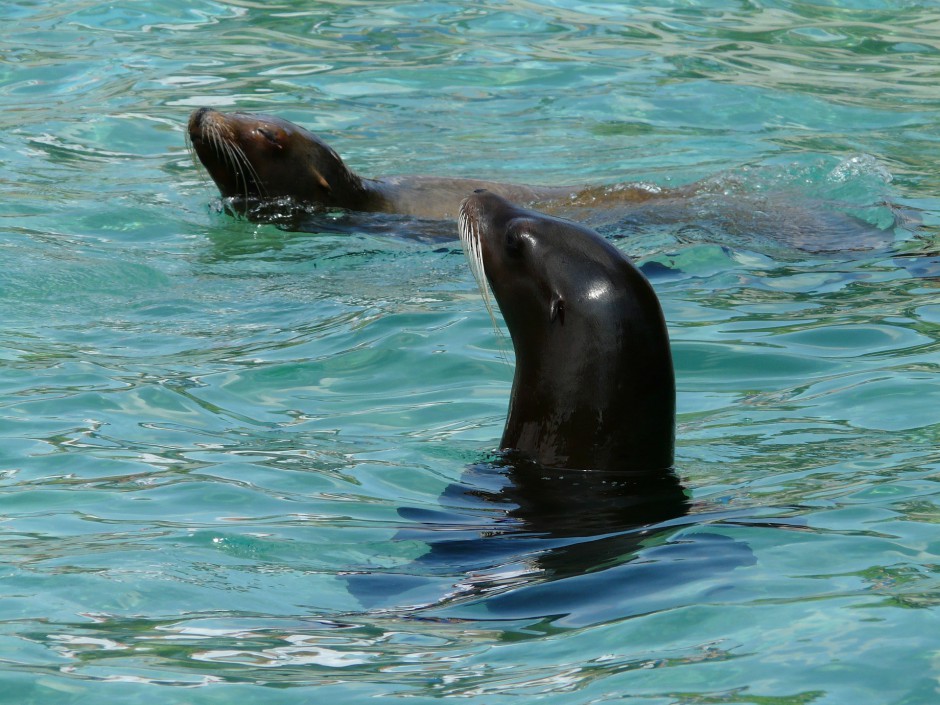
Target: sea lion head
[593, 386]
[254, 157]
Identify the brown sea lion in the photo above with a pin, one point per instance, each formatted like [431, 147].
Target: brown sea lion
[256, 158]
[274, 171]
[594, 387]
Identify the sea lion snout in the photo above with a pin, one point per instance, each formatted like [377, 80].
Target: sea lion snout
[484, 203]
[197, 118]
[198, 114]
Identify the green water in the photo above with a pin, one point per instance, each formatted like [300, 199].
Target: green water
[209, 425]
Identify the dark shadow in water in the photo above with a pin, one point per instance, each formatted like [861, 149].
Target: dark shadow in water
[515, 540]
[922, 263]
[292, 217]
[775, 225]
[816, 230]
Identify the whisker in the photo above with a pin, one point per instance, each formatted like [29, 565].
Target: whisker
[250, 169]
[222, 151]
[246, 182]
[473, 249]
[226, 150]
[190, 147]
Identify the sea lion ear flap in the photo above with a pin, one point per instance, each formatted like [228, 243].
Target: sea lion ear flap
[557, 309]
[318, 177]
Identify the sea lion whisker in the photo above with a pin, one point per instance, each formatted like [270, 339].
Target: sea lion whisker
[194, 155]
[212, 136]
[241, 167]
[227, 152]
[472, 247]
[222, 147]
[249, 169]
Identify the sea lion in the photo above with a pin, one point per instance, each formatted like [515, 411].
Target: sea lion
[584, 478]
[271, 170]
[261, 158]
[594, 387]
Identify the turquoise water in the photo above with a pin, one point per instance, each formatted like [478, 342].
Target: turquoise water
[210, 428]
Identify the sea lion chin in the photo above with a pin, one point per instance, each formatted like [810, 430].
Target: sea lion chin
[594, 386]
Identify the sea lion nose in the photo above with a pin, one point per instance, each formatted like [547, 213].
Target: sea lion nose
[479, 190]
[195, 120]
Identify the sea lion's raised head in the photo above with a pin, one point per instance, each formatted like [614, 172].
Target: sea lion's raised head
[594, 385]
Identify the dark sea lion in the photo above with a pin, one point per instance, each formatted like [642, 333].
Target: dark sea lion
[584, 477]
[594, 387]
[254, 158]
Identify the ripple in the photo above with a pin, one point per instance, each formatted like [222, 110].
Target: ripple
[211, 428]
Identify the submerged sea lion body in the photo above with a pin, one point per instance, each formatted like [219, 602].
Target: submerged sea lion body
[256, 158]
[272, 170]
[594, 387]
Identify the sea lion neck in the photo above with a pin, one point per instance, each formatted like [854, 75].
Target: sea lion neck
[373, 195]
[597, 395]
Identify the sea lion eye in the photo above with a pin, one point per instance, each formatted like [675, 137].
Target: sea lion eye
[268, 134]
[514, 242]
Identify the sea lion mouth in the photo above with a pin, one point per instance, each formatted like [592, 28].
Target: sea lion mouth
[213, 142]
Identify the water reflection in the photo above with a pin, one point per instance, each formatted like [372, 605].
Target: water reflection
[516, 540]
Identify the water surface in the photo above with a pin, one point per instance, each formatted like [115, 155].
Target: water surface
[212, 429]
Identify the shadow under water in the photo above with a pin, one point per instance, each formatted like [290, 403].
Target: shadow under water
[291, 216]
[516, 540]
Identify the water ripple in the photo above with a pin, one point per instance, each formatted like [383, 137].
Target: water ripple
[227, 448]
